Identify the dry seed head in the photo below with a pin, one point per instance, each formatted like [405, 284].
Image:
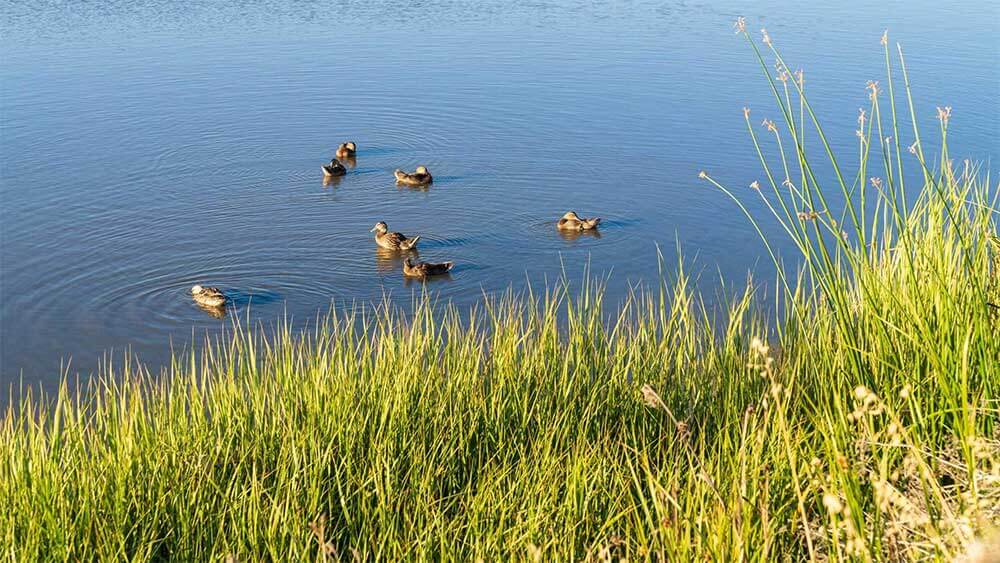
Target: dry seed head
[800, 76]
[782, 72]
[740, 24]
[765, 37]
[832, 503]
[770, 125]
[861, 117]
[808, 215]
[682, 429]
[755, 185]
[650, 397]
[904, 393]
[757, 345]
[876, 182]
[746, 112]
[787, 183]
[873, 89]
[861, 392]
[944, 114]
[913, 148]
[703, 175]
[885, 37]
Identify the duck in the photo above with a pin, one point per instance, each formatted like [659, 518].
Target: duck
[413, 269]
[208, 296]
[573, 222]
[420, 177]
[391, 240]
[347, 150]
[335, 168]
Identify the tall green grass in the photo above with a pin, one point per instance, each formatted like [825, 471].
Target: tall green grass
[860, 421]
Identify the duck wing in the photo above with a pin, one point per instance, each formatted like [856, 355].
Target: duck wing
[435, 269]
[395, 239]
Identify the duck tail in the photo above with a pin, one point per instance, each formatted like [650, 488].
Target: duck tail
[410, 243]
[448, 266]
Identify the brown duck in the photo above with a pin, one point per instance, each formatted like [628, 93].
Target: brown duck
[420, 177]
[413, 269]
[390, 240]
[335, 168]
[347, 150]
[573, 222]
[208, 296]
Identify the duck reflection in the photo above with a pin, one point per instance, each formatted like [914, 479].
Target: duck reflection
[388, 261]
[410, 281]
[214, 311]
[571, 236]
[331, 181]
[350, 161]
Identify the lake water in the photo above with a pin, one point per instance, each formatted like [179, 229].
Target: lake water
[149, 146]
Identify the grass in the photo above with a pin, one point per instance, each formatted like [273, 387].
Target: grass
[855, 419]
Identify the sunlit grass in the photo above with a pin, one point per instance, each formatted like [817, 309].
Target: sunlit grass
[859, 421]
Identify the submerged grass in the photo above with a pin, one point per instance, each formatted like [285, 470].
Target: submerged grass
[859, 422]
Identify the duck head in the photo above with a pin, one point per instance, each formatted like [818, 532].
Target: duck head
[351, 146]
[421, 170]
[380, 228]
[196, 290]
[571, 216]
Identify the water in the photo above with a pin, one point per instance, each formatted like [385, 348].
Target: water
[149, 146]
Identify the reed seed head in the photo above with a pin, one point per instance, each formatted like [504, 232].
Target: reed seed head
[650, 397]
[832, 503]
[873, 89]
[740, 24]
[944, 114]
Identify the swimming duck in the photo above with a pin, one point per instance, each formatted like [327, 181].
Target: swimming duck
[420, 177]
[347, 150]
[391, 240]
[413, 269]
[208, 296]
[335, 168]
[573, 222]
